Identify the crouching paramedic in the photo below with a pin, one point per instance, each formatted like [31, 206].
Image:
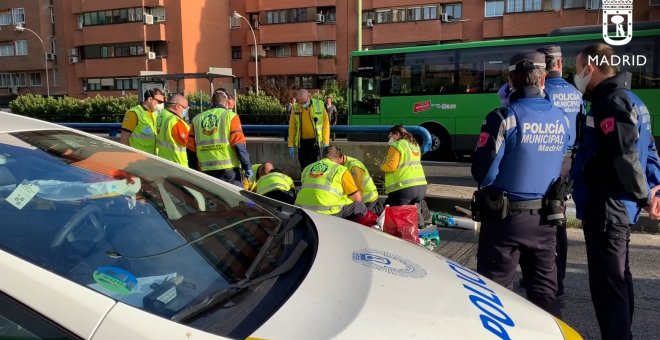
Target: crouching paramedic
[405, 182]
[274, 183]
[518, 158]
[361, 177]
[328, 188]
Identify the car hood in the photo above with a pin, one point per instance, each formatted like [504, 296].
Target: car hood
[365, 283]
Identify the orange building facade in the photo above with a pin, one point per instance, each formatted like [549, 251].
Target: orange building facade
[100, 47]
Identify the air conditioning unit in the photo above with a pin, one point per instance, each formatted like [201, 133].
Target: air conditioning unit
[266, 48]
[446, 17]
[73, 52]
[148, 19]
[320, 18]
[73, 60]
[369, 22]
[50, 56]
[151, 55]
[14, 90]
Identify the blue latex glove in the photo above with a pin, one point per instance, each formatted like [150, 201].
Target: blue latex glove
[249, 173]
[292, 152]
[503, 93]
[326, 145]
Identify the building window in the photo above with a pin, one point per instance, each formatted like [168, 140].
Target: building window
[383, 16]
[124, 84]
[6, 49]
[56, 78]
[328, 48]
[53, 46]
[298, 15]
[305, 49]
[5, 79]
[398, 15]
[494, 8]
[18, 79]
[414, 13]
[430, 12]
[35, 79]
[158, 13]
[117, 16]
[551, 5]
[455, 11]
[5, 18]
[236, 52]
[307, 82]
[234, 22]
[21, 47]
[283, 51]
[593, 4]
[574, 4]
[52, 15]
[18, 15]
[655, 3]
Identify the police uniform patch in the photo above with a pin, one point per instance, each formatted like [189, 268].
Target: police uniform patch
[210, 125]
[607, 125]
[483, 139]
[318, 170]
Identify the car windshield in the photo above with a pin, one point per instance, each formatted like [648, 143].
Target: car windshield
[129, 226]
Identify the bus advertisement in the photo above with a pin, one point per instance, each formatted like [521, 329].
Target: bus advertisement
[449, 88]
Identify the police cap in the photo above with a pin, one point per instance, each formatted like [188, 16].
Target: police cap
[527, 60]
[550, 50]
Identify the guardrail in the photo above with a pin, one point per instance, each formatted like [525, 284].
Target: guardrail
[114, 128]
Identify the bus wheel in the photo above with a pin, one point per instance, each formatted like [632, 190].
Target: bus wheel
[440, 143]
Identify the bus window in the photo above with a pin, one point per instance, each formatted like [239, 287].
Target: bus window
[647, 75]
[366, 84]
[484, 70]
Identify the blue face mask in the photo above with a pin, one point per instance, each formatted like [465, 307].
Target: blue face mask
[185, 114]
[307, 104]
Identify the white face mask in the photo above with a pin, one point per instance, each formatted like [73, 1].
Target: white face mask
[581, 81]
[392, 140]
[159, 107]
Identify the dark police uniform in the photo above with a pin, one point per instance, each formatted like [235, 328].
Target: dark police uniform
[566, 97]
[520, 152]
[618, 175]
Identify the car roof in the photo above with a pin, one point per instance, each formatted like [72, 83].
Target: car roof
[11, 123]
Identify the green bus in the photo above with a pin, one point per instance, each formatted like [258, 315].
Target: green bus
[449, 88]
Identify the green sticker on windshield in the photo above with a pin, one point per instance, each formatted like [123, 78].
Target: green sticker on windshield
[115, 279]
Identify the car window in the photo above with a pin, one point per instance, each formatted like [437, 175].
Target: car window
[17, 321]
[129, 226]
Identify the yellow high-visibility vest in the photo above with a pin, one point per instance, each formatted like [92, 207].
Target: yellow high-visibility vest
[143, 136]
[370, 192]
[167, 146]
[410, 171]
[274, 181]
[317, 113]
[322, 189]
[212, 140]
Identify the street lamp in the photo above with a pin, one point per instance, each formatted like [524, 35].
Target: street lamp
[20, 28]
[256, 51]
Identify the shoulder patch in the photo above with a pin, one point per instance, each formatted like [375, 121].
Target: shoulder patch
[607, 125]
[483, 139]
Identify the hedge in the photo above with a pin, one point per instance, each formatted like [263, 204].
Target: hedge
[68, 109]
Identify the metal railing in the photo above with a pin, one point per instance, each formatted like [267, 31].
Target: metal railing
[283, 130]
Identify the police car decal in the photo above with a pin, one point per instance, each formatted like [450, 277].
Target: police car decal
[388, 262]
[494, 318]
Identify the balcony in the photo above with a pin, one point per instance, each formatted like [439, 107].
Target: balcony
[540, 23]
[119, 33]
[411, 32]
[267, 5]
[294, 32]
[81, 6]
[327, 66]
[117, 67]
[290, 65]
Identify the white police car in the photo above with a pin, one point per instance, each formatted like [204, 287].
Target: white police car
[101, 242]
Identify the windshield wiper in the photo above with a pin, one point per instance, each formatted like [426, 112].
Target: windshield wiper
[223, 295]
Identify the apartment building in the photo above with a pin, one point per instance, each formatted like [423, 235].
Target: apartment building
[28, 48]
[307, 42]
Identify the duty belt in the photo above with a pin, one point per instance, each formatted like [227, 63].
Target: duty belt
[526, 205]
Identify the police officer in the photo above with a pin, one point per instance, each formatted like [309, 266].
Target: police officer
[328, 188]
[518, 156]
[566, 97]
[274, 183]
[361, 176]
[309, 128]
[217, 137]
[405, 182]
[172, 131]
[621, 174]
[138, 129]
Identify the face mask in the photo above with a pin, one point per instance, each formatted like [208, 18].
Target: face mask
[185, 114]
[159, 107]
[581, 81]
[392, 140]
[307, 104]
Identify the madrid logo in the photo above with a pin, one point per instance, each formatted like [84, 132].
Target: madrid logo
[619, 13]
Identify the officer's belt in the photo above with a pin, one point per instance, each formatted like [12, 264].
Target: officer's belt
[526, 205]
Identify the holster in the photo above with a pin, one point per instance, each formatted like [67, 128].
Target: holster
[489, 205]
[555, 212]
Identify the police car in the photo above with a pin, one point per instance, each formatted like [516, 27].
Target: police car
[99, 241]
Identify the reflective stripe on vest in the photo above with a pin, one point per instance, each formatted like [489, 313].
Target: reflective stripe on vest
[322, 189]
[212, 140]
[317, 105]
[167, 146]
[143, 136]
[410, 172]
[368, 188]
[274, 181]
